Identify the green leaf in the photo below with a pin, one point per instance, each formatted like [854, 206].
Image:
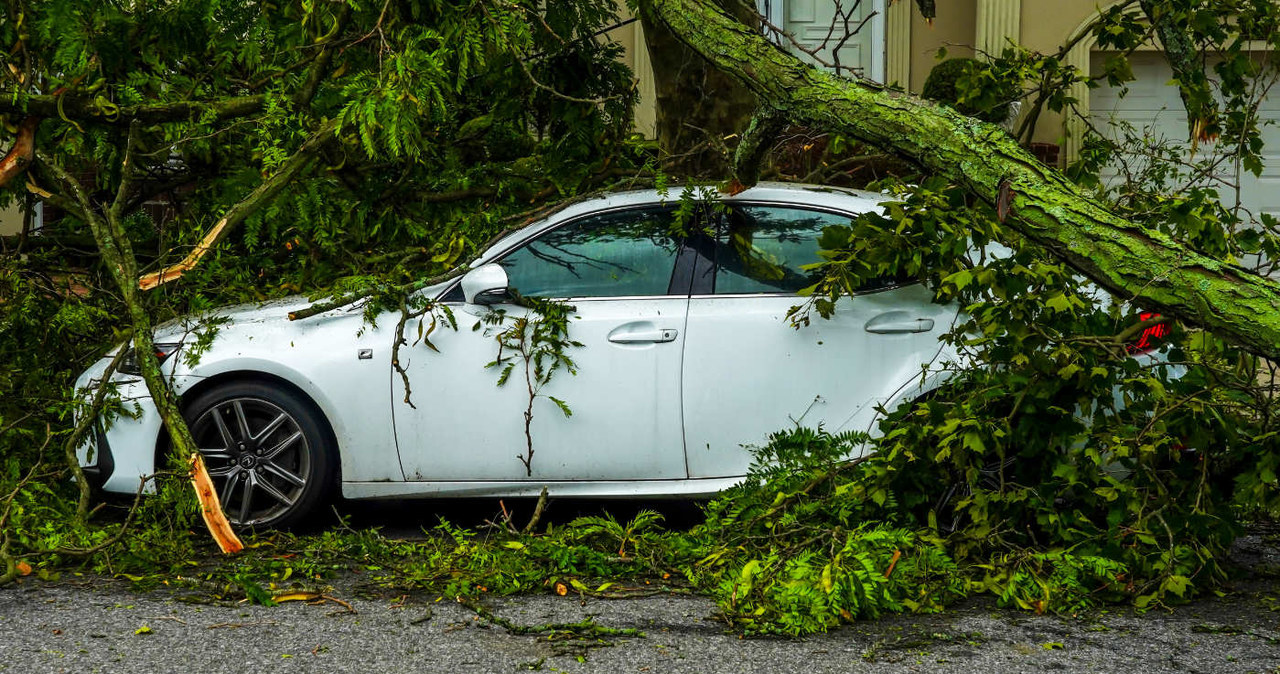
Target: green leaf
[1058, 303]
[564, 407]
[1176, 584]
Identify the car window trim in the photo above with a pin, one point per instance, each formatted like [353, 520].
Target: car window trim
[860, 293]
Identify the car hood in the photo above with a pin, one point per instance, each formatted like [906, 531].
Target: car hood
[271, 311]
[239, 314]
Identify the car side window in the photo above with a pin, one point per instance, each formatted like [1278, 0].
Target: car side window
[625, 253]
[762, 249]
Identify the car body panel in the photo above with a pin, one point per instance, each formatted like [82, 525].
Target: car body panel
[631, 433]
[754, 374]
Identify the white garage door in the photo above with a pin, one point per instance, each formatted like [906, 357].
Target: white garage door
[1153, 107]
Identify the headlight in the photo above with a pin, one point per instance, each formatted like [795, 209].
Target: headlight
[129, 364]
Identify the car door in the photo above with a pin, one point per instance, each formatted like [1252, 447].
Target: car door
[748, 372]
[616, 269]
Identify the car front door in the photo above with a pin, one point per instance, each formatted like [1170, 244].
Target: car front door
[748, 372]
[617, 270]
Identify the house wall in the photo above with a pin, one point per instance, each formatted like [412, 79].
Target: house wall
[954, 29]
[10, 220]
[1067, 16]
[631, 37]
[1042, 25]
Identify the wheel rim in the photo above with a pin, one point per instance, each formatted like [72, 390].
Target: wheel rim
[257, 456]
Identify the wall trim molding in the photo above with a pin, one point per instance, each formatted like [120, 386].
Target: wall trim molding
[1074, 126]
[998, 21]
[898, 44]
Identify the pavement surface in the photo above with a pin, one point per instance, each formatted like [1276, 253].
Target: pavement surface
[100, 625]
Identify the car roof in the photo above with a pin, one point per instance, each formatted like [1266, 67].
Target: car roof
[795, 194]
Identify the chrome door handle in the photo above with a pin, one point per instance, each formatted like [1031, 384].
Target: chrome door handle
[637, 333]
[898, 322]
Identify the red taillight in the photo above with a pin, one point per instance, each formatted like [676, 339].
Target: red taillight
[1150, 337]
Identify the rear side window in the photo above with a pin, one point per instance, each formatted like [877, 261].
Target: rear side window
[626, 253]
[761, 249]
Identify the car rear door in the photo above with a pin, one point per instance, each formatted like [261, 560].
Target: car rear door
[618, 269]
[748, 372]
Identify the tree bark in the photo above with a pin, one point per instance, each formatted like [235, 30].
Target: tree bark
[1184, 59]
[698, 105]
[1135, 263]
[15, 162]
[73, 106]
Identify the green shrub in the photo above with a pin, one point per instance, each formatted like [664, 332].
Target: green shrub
[972, 88]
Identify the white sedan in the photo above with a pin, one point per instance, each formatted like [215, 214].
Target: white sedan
[687, 361]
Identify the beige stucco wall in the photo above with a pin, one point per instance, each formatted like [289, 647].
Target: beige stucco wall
[953, 28]
[631, 37]
[10, 220]
[1046, 26]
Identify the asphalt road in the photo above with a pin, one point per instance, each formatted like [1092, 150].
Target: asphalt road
[100, 625]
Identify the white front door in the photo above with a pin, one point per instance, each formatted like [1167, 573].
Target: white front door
[749, 373]
[616, 269]
[847, 34]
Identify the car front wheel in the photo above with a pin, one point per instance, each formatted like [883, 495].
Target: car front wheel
[266, 449]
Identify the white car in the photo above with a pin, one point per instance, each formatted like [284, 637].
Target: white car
[687, 360]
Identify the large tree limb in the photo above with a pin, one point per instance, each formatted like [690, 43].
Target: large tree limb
[83, 108]
[301, 160]
[756, 140]
[1135, 263]
[117, 254]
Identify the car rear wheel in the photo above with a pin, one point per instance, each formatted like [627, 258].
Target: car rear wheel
[267, 451]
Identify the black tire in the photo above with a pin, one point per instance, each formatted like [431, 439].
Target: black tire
[268, 451]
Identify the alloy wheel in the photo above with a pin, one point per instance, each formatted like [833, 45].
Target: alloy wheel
[258, 457]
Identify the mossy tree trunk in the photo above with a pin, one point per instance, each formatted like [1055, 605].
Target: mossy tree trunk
[698, 105]
[1133, 262]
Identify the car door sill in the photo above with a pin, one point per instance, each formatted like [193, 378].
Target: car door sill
[682, 488]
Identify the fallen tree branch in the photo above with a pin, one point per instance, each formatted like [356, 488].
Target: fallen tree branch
[117, 254]
[583, 629]
[301, 160]
[537, 513]
[119, 535]
[1183, 57]
[211, 508]
[1135, 263]
[82, 108]
[765, 126]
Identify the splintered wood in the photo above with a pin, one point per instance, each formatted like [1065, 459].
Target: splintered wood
[174, 272]
[211, 508]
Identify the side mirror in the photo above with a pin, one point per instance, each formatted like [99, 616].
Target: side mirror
[486, 284]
